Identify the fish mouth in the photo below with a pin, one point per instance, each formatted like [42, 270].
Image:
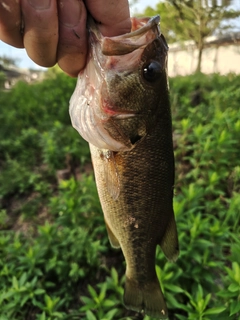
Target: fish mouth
[129, 42]
[96, 112]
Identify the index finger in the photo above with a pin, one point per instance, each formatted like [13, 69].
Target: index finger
[113, 16]
[10, 23]
[40, 30]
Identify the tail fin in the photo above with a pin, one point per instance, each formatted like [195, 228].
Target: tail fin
[147, 298]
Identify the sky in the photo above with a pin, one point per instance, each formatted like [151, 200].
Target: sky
[23, 61]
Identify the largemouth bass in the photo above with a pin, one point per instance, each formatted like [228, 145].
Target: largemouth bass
[121, 107]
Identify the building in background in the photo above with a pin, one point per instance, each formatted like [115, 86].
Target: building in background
[220, 55]
[12, 74]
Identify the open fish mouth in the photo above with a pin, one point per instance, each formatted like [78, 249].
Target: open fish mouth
[126, 43]
[93, 108]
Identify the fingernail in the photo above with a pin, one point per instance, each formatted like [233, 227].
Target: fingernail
[40, 4]
[70, 12]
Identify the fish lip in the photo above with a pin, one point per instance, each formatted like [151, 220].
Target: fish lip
[150, 22]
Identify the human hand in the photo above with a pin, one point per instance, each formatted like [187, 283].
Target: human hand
[54, 31]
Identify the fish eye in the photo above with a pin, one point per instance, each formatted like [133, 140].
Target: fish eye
[152, 71]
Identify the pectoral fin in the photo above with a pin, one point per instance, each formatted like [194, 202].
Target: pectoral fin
[113, 240]
[169, 242]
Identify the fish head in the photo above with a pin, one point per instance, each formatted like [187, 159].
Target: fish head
[122, 90]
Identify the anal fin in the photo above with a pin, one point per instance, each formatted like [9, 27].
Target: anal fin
[169, 242]
[112, 238]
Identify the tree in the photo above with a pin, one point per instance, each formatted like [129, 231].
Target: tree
[7, 61]
[194, 20]
[2, 79]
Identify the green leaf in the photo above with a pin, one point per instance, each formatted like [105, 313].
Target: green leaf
[49, 302]
[234, 308]
[216, 310]
[39, 291]
[59, 315]
[24, 300]
[173, 288]
[114, 276]
[110, 314]
[92, 292]
[181, 317]
[38, 304]
[109, 303]
[236, 270]
[43, 316]
[234, 287]
[86, 300]
[90, 315]
[103, 291]
[89, 306]
[23, 279]
[199, 293]
[206, 300]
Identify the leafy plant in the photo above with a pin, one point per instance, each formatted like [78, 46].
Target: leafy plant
[55, 257]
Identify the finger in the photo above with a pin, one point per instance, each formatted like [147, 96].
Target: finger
[40, 30]
[112, 15]
[72, 44]
[10, 23]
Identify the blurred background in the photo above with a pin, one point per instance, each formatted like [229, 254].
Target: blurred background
[55, 258]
